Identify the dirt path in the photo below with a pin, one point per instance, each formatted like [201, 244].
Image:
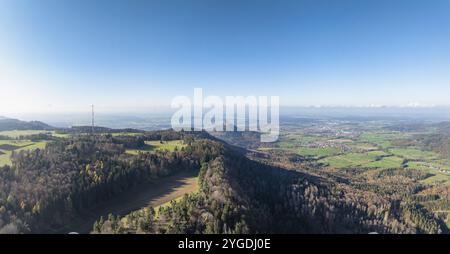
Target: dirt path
[156, 193]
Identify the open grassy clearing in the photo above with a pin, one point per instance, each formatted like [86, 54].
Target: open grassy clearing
[440, 172]
[347, 160]
[7, 146]
[413, 154]
[18, 133]
[372, 138]
[166, 145]
[190, 188]
[151, 146]
[133, 134]
[35, 145]
[296, 140]
[382, 139]
[437, 178]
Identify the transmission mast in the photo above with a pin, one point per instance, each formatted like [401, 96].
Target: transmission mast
[93, 123]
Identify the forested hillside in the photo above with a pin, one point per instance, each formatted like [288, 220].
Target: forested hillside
[47, 189]
[239, 195]
[44, 190]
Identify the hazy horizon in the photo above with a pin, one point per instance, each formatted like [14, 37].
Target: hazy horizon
[63, 56]
[161, 119]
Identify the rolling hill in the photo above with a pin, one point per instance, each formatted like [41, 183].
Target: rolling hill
[8, 124]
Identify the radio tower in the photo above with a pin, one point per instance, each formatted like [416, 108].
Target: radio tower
[93, 119]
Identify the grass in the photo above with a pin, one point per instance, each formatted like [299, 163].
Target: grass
[295, 140]
[348, 160]
[19, 143]
[7, 146]
[433, 168]
[413, 154]
[35, 145]
[166, 145]
[190, 186]
[18, 133]
[373, 149]
[431, 165]
[151, 146]
[386, 162]
[373, 159]
[318, 152]
[5, 159]
[364, 147]
[61, 135]
[298, 143]
[168, 203]
[437, 178]
[193, 190]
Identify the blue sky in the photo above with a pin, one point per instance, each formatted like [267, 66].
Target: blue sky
[58, 55]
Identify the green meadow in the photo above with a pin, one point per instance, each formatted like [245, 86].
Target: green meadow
[375, 148]
[317, 152]
[151, 146]
[8, 146]
[18, 133]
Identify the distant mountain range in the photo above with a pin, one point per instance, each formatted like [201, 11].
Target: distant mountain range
[8, 124]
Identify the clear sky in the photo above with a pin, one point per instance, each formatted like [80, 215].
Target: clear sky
[58, 55]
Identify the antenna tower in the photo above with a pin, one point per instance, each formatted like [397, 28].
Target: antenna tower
[93, 123]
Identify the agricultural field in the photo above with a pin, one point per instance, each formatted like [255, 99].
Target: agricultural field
[374, 159]
[414, 154]
[362, 145]
[8, 146]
